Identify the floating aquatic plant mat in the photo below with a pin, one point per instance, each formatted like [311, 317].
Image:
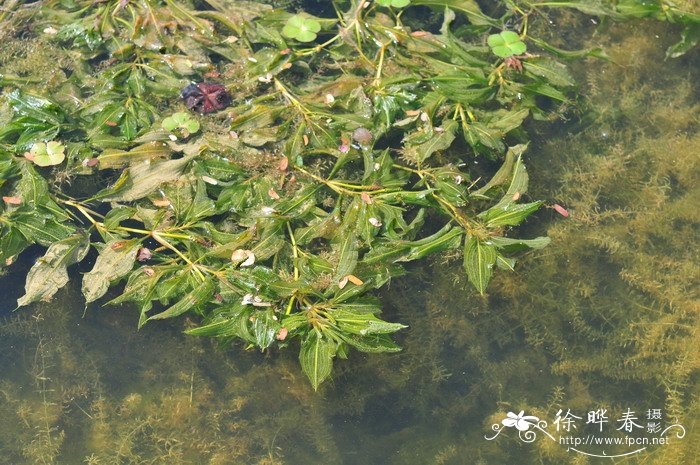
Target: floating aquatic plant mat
[265, 171]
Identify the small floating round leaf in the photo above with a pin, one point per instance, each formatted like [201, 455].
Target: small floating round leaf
[506, 44]
[47, 154]
[301, 29]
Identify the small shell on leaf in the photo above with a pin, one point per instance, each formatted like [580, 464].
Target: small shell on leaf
[149, 271]
[273, 194]
[162, 203]
[516, 196]
[282, 334]
[375, 222]
[366, 199]
[209, 180]
[258, 302]
[245, 256]
[284, 163]
[144, 254]
[350, 278]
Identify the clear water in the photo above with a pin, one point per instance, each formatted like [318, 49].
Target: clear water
[606, 317]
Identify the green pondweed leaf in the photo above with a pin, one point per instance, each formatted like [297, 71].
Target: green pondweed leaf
[316, 357]
[479, 260]
[361, 321]
[439, 139]
[114, 158]
[511, 245]
[140, 180]
[49, 273]
[469, 7]
[394, 3]
[197, 296]
[265, 326]
[47, 153]
[571, 54]
[690, 36]
[115, 261]
[302, 29]
[553, 72]
[182, 121]
[509, 214]
[506, 44]
[406, 251]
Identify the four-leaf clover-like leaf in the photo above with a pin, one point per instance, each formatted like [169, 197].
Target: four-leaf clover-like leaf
[181, 120]
[506, 44]
[301, 29]
[394, 3]
[47, 154]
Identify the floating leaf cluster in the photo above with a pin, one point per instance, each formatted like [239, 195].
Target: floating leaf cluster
[350, 148]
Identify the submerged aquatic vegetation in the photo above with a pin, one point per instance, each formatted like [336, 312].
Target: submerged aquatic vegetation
[270, 223]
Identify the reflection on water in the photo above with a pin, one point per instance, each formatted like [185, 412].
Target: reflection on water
[606, 317]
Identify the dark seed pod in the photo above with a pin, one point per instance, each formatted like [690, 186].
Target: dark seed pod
[206, 97]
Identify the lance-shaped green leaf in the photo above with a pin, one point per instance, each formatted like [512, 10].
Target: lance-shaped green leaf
[479, 259]
[511, 214]
[362, 322]
[197, 296]
[346, 242]
[406, 251]
[374, 343]
[49, 273]
[469, 7]
[37, 228]
[265, 325]
[316, 357]
[504, 173]
[510, 245]
[116, 259]
[112, 158]
[140, 180]
[439, 140]
[553, 72]
[36, 107]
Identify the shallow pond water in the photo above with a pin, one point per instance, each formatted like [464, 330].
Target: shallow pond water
[605, 318]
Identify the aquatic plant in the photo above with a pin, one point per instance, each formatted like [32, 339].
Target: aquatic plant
[261, 225]
[181, 121]
[301, 29]
[46, 154]
[506, 44]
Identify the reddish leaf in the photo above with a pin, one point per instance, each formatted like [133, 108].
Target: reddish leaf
[561, 210]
